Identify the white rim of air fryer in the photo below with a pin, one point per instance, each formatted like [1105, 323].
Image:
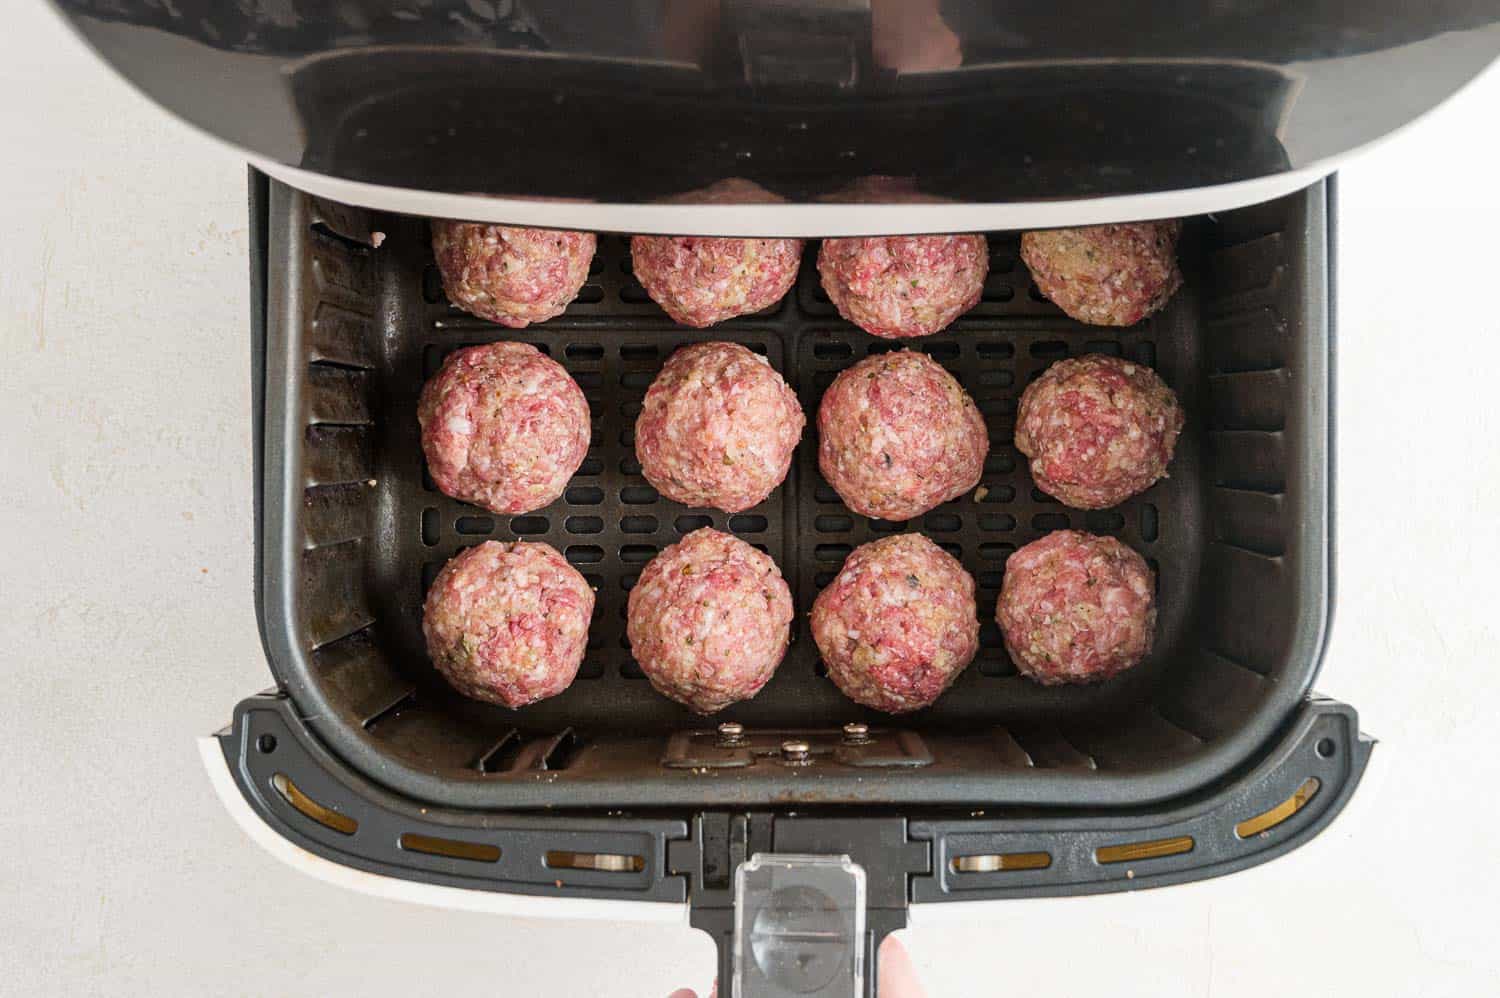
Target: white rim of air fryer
[806, 221]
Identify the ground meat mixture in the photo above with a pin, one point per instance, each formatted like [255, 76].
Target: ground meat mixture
[898, 435]
[1097, 429]
[709, 620]
[702, 280]
[508, 623]
[503, 427]
[511, 275]
[1106, 275]
[899, 286]
[717, 428]
[898, 624]
[1076, 608]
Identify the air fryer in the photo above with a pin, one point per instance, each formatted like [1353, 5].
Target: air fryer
[795, 824]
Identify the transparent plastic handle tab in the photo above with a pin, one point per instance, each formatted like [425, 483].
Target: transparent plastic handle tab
[799, 926]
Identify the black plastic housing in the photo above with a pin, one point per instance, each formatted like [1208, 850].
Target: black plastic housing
[351, 532]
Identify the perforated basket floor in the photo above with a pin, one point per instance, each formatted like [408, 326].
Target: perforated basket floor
[610, 522]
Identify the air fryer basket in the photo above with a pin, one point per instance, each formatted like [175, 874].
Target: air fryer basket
[1208, 758]
[354, 531]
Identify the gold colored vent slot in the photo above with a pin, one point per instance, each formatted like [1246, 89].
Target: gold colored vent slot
[1152, 849]
[325, 816]
[606, 862]
[479, 852]
[1002, 862]
[1268, 820]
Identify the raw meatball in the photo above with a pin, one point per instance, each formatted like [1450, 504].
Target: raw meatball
[898, 624]
[508, 623]
[510, 275]
[898, 436]
[1098, 430]
[1106, 275]
[709, 620]
[717, 428]
[1076, 608]
[897, 286]
[503, 427]
[700, 280]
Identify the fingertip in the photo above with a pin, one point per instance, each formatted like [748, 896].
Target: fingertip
[898, 976]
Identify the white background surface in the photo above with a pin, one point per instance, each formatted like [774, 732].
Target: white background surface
[127, 628]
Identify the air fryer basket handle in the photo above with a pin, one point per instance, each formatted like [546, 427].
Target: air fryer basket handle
[882, 924]
[875, 933]
[720, 843]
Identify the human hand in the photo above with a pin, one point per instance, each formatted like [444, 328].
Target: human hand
[898, 977]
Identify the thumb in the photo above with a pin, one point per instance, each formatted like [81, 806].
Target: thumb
[898, 978]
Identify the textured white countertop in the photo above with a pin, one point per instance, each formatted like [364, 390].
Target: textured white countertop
[126, 624]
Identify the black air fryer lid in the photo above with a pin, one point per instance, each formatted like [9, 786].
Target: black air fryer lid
[636, 100]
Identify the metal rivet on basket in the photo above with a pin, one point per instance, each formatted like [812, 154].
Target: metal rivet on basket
[796, 752]
[731, 734]
[856, 733]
